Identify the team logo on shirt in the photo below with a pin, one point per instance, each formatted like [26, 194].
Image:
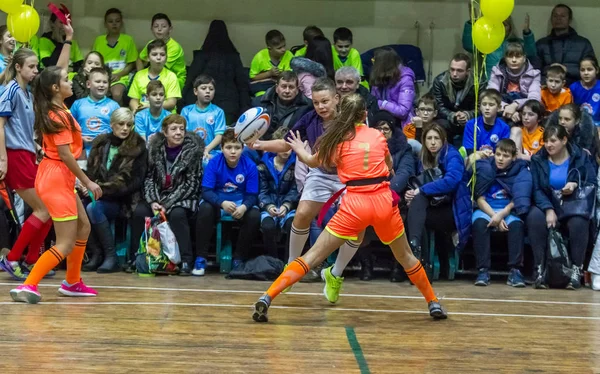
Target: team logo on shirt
[104, 110]
[94, 123]
[239, 178]
[210, 120]
[494, 138]
[229, 187]
[201, 132]
[500, 194]
[535, 144]
[587, 107]
[123, 53]
[596, 97]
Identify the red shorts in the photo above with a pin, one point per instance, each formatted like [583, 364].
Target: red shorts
[21, 169]
[359, 210]
[55, 185]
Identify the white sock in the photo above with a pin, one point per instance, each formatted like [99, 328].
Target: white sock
[298, 239]
[345, 254]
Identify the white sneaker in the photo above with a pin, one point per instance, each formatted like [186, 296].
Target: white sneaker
[198, 272]
[595, 282]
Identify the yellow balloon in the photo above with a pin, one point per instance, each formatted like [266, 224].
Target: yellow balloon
[24, 24]
[10, 6]
[497, 10]
[488, 35]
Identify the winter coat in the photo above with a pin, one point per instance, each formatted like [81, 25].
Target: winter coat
[585, 135]
[308, 71]
[453, 167]
[449, 101]
[529, 83]
[276, 189]
[122, 182]
[399, 98]
[186, 173]
[232, 91]
[540, 171]
[568, 49]
[516, 180]
[403, 161]
[371, 101]
[292, 114]
[492, 59]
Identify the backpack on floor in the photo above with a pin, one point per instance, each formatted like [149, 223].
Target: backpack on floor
[558, 263]
[152, 256]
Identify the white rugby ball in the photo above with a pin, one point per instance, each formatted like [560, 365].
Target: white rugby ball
[252, 125]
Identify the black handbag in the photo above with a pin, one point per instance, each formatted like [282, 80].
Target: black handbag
[582, 202]
[428, 176]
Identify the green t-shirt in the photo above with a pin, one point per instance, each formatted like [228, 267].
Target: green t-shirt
[112, 152]
[262, 62]
[118, 56]
[353, 60]
[46, 47]
[175, 60]
[141, 80]
[301, 52]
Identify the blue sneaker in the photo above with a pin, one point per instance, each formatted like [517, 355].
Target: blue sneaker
[236, 264]
[483, 278]
[13, 268]
[199, 267]
[515, 278]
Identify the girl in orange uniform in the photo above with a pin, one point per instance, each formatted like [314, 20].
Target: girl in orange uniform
[55, 185]
[363, 163]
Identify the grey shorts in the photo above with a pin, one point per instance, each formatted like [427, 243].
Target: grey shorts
[320, 186]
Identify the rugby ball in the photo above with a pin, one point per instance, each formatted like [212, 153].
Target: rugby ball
[252, 125]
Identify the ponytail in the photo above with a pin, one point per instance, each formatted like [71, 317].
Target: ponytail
[18, 58]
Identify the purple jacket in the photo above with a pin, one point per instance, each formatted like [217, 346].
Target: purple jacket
[398, 99]
[529, 83]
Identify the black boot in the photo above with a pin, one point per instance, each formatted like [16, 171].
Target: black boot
[107, 242]
[366, 268]
[94, 252]
[575, 282]
[539, 278]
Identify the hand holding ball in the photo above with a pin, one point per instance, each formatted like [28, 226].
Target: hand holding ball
[252, 125]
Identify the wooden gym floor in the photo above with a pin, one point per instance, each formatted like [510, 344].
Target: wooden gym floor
[203, 325]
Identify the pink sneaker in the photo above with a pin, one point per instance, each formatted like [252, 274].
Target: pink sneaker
[78, 289]
[26, 293]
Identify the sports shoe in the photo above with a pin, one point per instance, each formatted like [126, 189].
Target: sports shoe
[27, 269]
[515, 278]
[539, 278]
[483, 278]
[199, 267]
[78, 289]
[595, 282]
[287, 289]
[333, 285]
[261, 308]
[26, 293]
[436, 310]
[13, 269]
[575, 282]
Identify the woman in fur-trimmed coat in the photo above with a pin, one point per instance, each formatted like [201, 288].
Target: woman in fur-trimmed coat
[172, 184]
[117, 163]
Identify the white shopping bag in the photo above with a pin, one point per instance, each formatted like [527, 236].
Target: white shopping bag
[168, 242]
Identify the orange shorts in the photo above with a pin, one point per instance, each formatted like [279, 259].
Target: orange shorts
[359, 210]
[55, 185]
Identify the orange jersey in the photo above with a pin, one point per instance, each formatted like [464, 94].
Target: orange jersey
[65, 137]
[533, 142]
[363, 157]
[553, 102]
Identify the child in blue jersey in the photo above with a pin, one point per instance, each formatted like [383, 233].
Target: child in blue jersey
[93, 112]
[148, 121]
[229, 187]
[586, 92]
[484, 132]
[205, 118]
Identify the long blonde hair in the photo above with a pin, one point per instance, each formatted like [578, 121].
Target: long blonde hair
[352, 111]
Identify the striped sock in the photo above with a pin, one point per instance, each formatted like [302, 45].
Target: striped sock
[417, 275]
[74, 260]
[298, 239]
[47, 262]
[292, 274]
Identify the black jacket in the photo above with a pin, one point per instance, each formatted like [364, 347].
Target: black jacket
[446, 97]
[294, 112]
[371, 101]
[232, 92]
[540, 171]
[185, 173]
[277, 188]
[123, 181]
[403, 160]
[567, 49]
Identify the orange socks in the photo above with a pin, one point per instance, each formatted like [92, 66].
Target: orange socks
[292, 274]
[74, 260]
[47, 262]
[417, 275]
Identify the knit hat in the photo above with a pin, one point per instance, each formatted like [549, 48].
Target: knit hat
[384, 116]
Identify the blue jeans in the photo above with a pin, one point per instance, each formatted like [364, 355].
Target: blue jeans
[102, 211]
